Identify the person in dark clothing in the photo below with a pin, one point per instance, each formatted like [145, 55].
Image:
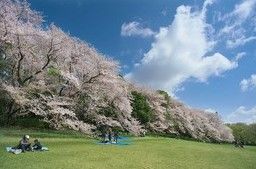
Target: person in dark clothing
[241, 144]
[110, 135]
[24, 144]
[236, 143]
[37, 145]
[116, 135]
[103, 136]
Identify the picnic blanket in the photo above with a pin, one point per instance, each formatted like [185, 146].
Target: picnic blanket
[18, 151]
[121, 141]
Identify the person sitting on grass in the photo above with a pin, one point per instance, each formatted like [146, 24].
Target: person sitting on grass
[37, 145]
[24, 144]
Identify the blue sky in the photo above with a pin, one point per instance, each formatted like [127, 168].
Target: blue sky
[201, 52]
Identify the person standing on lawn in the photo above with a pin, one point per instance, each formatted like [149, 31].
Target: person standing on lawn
[110, 135]
[116, 135]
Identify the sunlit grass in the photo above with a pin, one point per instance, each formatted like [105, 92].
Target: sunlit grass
[74, 151]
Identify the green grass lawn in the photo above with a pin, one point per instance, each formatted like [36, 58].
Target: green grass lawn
[74, 151]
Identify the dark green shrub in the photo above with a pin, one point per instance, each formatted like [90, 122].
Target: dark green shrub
[52, 71]
[166, 97]
[5, 106]
[244, 132]
[8, 118]
[82, 104]
[2, 113]
[31, 121]
[109, 112]
[5, 69]
[141, 109]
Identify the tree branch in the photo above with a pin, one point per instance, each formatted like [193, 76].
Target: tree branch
[48, 56]
[19, 61]
[62, 88]
[11, 111]
[5, 24]
[93, 78]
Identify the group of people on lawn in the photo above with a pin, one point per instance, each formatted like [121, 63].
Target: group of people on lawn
[25, 144]
[109, 137]
[238, 143]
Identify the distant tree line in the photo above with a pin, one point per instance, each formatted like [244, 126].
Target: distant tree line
[245, 133]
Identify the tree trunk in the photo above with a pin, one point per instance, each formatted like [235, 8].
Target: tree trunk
[12, 111]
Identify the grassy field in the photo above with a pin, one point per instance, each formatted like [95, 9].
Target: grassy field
[74, 151]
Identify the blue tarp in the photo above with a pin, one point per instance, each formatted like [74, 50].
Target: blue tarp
[120, 141]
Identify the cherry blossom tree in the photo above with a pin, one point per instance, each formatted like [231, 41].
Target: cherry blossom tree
[69, 84]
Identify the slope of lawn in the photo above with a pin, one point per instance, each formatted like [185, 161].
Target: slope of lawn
[75, 151]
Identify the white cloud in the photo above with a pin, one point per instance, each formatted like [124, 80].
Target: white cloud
[245, 9]
[209, 110]
[205, 5]
[242, 114]
[164, 12]
[240, 41]
[236, 24]
[240, 56]
[241, 12]
[253, 23]
[135, 29]
[247, 84]
[180, 52]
